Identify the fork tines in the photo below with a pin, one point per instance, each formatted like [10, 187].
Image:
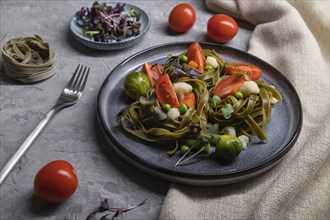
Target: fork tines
[79, 78]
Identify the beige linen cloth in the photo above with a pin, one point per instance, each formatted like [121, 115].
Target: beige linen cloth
[293, 36]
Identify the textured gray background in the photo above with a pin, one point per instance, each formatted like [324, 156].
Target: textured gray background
[72, 134]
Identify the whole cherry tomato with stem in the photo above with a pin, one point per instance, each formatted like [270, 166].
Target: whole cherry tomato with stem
[182, 18]
[55, 182]
[221, 28]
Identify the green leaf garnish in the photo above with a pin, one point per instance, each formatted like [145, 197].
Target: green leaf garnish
[160, 114]
[227, 110]
[214, 101]
[145, 101]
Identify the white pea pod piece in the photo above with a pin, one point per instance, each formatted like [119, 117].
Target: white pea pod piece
[212, 128]
[249, 87]
[244, 140]
[212, 62]
[173, 114]
[273, 101]
[229, 130]
[182, 89]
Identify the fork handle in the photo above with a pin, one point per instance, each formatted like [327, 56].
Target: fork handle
[25, 146]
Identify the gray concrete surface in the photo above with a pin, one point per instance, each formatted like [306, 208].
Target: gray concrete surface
[72, 134]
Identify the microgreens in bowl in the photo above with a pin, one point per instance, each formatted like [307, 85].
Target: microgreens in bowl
[105, 23]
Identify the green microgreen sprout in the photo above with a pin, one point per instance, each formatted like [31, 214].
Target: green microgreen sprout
[242, 74]
[90, 33]
[134, 12]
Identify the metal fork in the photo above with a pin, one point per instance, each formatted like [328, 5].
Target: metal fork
[70, 95]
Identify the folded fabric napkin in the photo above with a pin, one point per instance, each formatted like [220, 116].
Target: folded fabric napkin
[293, 36]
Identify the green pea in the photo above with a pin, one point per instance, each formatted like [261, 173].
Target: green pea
[208, 68]
[183, 59]
[188, 141]
[184, 149]
[183, 109]
[239, 95]
[166, 107]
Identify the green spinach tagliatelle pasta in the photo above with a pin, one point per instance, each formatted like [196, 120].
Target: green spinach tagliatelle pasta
[249, 116]
[28, 59]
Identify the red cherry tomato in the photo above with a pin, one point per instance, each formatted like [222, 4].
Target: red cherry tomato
[55, 182]
[228, 85]
[195, 53]
[221, 28]
[250, 70]
[153, 72]
[165, 92]
[182, 18]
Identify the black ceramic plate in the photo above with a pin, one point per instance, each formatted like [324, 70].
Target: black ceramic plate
[283, 129]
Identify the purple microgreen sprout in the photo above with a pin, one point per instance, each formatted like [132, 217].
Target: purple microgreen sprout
[193, 73]
[175, 64]
[105, 210]
[178, 71]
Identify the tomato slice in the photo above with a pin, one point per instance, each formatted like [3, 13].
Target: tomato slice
[250, 70]
[189, 100]
[228, 85]
[165, 92]
[152, 71]
[196, 53]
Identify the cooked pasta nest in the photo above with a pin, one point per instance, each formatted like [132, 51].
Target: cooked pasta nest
[28, 59]
[250, 117]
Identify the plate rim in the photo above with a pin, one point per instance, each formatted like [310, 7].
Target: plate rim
[264, 165]
[188, 180]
